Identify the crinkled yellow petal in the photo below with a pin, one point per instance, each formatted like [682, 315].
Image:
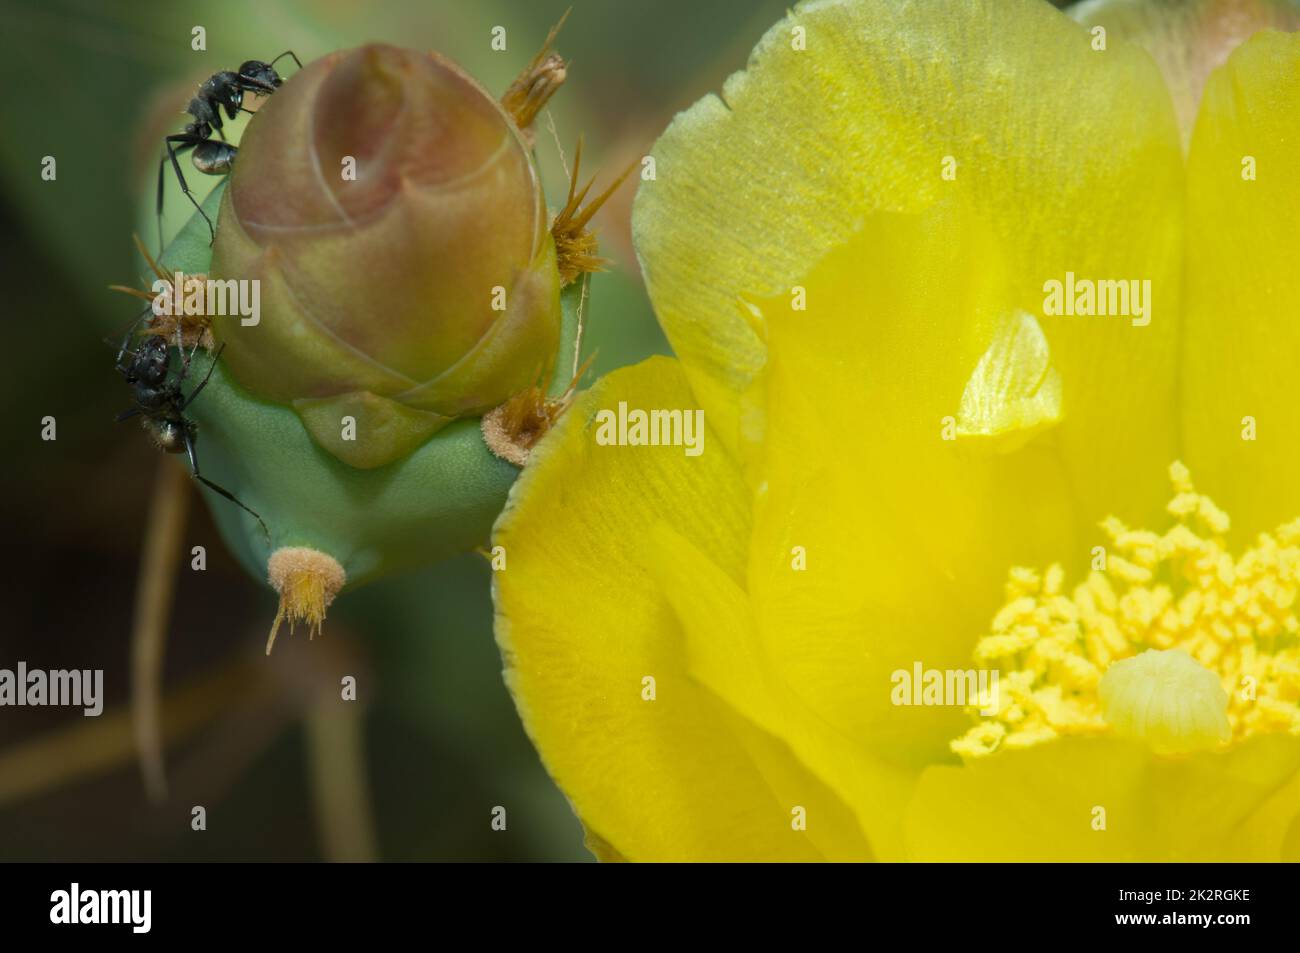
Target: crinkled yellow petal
[1242, 347]
[582, 622]
[1106, 799]
[1070, 155]
[1014, 391]
[1188, 38]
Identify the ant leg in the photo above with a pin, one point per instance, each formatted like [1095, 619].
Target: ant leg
[194, 349]
[126, 340]
[159, 207]
[194, 467]
[204, 383]
[128, 414]
[167, 151]
[283, 55]
[180, 347]
[186, 142]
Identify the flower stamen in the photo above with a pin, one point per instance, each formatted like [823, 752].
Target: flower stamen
[1083, 663]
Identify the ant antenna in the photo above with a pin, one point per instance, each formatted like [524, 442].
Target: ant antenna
[283, 55]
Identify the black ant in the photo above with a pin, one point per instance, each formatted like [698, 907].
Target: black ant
[161, 402]
[224, 90]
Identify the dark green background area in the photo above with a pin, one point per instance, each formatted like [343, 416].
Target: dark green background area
[97, 84]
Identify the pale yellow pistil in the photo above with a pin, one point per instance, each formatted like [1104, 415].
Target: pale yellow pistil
[1174, 642]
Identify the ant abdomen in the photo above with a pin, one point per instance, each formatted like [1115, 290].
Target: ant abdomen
[214, 158]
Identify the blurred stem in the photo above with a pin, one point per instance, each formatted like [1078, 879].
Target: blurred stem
[336, 750]
[92, 746]
[164, 529]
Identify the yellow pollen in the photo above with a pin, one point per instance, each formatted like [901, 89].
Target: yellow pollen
[1137, 647]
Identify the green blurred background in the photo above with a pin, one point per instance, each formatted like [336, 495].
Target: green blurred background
[96, 85]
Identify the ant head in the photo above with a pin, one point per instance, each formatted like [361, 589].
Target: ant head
[151, 362]
[260, 74]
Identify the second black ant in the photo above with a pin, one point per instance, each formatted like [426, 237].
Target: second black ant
[160, 401]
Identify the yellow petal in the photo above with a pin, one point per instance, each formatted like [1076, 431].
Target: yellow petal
[1188, 38]
[897, 330]
[725, 654]
[1242, 347]
[582, 623]
[878, 542]
[849, 108]
[1048, 802]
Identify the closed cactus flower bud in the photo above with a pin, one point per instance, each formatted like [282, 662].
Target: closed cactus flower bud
[412, 304]
[392, 213]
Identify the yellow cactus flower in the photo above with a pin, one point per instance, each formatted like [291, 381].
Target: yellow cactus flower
[958, 289]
